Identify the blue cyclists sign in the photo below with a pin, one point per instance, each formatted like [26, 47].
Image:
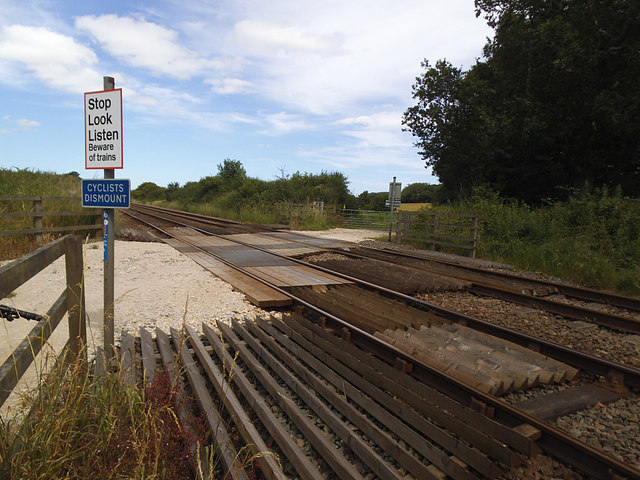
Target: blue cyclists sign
[106, 193]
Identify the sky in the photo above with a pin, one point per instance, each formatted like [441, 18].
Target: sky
[282, 86]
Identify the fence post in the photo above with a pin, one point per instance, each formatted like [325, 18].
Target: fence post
[474, 235]
[432, 230]
[75, 296]
[37, 219]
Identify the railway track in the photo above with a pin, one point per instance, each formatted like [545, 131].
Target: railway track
[575, 302]
[569, 301]
[527, 432]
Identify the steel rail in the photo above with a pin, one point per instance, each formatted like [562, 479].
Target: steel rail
[616, 373]
[551, 440]
[614, 321]
[581, 293]
[215, 221]
[575, 312]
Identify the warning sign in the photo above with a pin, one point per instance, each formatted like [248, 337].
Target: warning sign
[103, 129]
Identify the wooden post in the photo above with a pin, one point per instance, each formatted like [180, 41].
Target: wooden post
[407, 225]
[109, 261]
[474, 236]
[37, 220]
[75, 297]
[393, 198]
[432, 232]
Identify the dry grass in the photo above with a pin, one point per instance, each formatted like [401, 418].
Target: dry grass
[84, 427]
[28, 183]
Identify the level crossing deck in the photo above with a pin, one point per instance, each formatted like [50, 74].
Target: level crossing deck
[281, 272]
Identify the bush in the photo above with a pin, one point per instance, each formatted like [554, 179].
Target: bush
[593, 238]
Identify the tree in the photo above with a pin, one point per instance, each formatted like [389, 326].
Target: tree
[554, 104]
[172, 190]
[420, 193]
[149, 191]
[232, 173]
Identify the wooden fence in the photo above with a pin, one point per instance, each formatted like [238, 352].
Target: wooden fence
[71, 301]
[441, 231]
[15, 207]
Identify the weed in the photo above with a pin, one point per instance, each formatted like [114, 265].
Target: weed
[592, 239]
[83, 427]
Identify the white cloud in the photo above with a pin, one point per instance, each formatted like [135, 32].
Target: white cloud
[55, 59]
[265, 38]
[145, 45]
[282, 123]
[382, 129]
[18, 125]
[23, 122]
[332, 57]
[229, 86]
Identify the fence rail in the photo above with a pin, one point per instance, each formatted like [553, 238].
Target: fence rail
[71, 301]
[37, 214]
[369, 219]
[456, 231]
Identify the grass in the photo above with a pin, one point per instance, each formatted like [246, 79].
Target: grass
[592, 239]
[29, 183]
[83, 427]
[300, 217]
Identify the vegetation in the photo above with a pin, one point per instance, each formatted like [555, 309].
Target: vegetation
[232, 194]
[553, 104]
[593, 238]
[85, 427]
[232, 189]
[30, 183]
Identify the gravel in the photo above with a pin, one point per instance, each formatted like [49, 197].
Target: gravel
[586, 337]
[612, 428]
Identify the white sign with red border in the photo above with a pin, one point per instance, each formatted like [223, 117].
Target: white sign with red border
[103, 129]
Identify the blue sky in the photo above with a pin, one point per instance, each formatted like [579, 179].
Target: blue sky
[282, 86]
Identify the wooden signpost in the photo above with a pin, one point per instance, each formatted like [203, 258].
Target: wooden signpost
[103, 149]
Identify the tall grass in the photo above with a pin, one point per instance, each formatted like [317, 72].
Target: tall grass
[593, 238]
[30, 183]
[25, 183]
[83, 427]
[231, 207]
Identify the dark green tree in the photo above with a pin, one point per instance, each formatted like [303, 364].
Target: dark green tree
[420, 193]
[149, 191]
[172, 190]
[232, 173]
[554, 104]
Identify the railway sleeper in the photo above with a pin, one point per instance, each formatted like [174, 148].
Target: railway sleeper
[388, 436]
